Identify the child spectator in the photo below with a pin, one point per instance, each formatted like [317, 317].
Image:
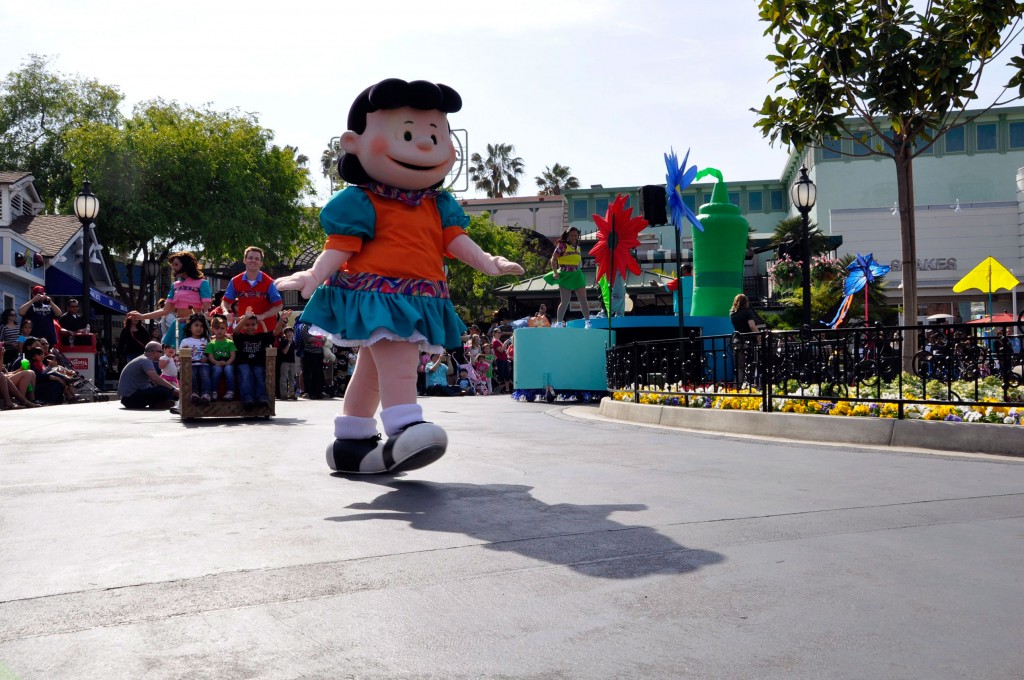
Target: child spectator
[251, 359]
[421, 374]
[220, 355]
[481, 382]
[464, 383]
[48, 390]
[199, 336]
[63, 376]
[286, 365]
[169, 365]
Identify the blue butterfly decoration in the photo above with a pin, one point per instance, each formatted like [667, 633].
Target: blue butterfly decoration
[863, 270]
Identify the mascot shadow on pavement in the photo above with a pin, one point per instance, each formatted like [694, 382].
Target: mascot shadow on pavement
[508, 518]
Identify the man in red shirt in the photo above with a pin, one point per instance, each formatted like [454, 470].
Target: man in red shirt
[253, 289]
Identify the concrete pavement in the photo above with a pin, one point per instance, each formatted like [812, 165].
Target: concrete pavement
[549, 543]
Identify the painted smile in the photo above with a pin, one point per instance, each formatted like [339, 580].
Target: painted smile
[414, 167]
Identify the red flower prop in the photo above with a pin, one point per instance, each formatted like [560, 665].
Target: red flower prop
[616, 236]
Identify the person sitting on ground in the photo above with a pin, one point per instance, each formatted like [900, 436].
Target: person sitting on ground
[140, 386]
[65, 376]
[16, 386]
[49, 390]
[437, 370]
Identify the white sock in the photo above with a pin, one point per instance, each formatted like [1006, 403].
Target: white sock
[354, 427]
[397, 417]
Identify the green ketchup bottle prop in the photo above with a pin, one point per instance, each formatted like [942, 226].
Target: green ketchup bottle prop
[718, 252]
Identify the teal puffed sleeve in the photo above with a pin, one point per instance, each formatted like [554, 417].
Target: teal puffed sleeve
[349, 213]
[452, 214]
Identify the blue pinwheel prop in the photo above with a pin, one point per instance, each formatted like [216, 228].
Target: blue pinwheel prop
[863, 272]
[678, 178]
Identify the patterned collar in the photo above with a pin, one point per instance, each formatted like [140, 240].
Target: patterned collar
[403, 195]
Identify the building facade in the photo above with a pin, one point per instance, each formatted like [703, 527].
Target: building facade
[968, 206]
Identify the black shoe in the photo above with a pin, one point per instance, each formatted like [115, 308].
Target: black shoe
[357, 456]
[248, 405]
[263, 402]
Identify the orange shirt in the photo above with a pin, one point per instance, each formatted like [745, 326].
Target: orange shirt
[392, 238]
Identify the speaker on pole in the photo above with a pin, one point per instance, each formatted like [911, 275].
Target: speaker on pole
[652, 204]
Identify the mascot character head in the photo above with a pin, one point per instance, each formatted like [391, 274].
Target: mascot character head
[398, 135]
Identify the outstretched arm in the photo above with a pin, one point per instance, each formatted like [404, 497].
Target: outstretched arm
[328, 262]
[466, 249]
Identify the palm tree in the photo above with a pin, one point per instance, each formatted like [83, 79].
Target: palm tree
[329, 162]
[498, 176]
[556, 179]
[788, 234]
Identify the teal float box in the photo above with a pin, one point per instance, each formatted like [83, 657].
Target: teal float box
[563, 358]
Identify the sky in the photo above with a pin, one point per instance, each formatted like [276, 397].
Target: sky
[605, 87]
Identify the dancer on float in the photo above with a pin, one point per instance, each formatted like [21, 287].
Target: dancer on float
[387, 236]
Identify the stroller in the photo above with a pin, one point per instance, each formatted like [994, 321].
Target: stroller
[479, 383]
[84, 388]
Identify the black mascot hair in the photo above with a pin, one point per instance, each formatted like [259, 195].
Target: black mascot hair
[392, 93]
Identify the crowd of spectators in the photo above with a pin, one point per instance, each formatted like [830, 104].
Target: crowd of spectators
[229, 349]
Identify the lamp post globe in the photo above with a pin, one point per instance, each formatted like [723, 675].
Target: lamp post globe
[804, 194]
[86, 206]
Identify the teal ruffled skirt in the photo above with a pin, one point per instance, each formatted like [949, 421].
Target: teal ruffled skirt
[360, 309]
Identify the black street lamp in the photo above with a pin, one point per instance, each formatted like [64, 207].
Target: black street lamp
[87, 206]
[804, 193]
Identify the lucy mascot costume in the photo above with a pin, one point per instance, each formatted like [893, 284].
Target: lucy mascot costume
[380, 282]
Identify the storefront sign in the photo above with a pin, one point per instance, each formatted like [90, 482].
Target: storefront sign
[935, 264]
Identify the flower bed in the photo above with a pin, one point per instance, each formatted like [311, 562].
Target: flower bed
[795, 400]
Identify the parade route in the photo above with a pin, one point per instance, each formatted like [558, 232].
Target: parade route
[548, 543]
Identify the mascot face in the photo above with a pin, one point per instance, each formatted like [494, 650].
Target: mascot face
[406, 147]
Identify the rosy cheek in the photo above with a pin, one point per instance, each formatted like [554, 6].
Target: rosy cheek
[379, 146]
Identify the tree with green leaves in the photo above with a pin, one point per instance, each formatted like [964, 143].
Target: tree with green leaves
[908, 76]
[788, 236]
[827, 294]
[38, 108]
[472, 292]
[497, 175]
[329, 164]
[173, 177]
[554, 180]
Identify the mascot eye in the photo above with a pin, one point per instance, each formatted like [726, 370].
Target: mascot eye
[433, 138]
[407, 136]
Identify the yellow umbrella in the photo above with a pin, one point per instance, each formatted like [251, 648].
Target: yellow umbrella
[988, 277]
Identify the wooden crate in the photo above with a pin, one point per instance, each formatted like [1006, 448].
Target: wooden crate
[220, 408]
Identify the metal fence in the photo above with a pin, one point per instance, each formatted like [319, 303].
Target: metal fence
[961, 364]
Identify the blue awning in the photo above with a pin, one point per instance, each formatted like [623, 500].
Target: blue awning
[61, 283]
